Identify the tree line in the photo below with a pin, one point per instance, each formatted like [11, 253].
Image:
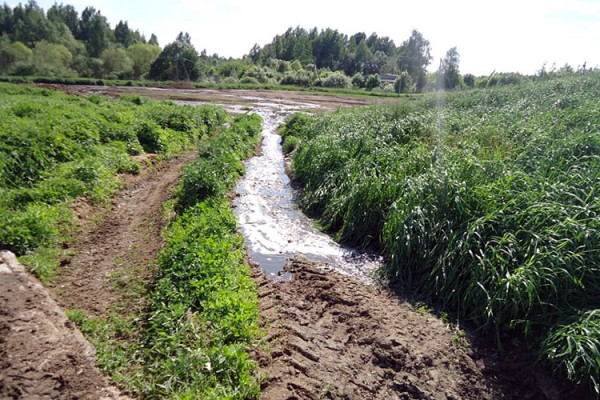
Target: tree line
[64, 43]
[359, 55]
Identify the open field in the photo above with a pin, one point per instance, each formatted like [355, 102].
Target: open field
[162, 288]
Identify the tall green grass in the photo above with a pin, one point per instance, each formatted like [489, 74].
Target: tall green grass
[204, 308]
[485, 202]
[55, 147]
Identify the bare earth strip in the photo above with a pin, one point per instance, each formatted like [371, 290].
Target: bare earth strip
[123, 246]
[330, 337]
[42, 354]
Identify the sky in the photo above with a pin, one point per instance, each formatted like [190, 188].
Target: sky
[490, 35]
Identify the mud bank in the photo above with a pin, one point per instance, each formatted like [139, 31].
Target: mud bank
[330, 337]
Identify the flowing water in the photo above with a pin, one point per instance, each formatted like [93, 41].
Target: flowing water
[274, 229]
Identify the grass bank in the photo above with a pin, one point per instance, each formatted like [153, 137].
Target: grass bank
[484, 202]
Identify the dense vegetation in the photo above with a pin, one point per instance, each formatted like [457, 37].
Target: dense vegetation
[204, 310]
[192, 340]
[55, 148]
[483, 202]
[64, 43]
[61, 43]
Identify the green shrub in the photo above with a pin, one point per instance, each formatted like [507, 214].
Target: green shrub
[336, 80]
[372, 82]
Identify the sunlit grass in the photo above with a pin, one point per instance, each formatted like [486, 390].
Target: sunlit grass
[487, 206]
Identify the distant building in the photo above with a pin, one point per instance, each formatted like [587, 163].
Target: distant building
[388, 78]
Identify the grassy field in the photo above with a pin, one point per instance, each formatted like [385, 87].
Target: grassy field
[55, 148]
[202, 315]
[484, 202]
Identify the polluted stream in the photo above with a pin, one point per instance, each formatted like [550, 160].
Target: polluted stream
[274, 229]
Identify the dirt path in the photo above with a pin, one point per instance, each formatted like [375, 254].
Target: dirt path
[123, 246]
[333, 338]
[42, 354]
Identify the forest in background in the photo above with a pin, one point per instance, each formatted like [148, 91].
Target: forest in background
[63, 43]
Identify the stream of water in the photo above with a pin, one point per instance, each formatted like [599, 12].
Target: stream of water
[274, 229]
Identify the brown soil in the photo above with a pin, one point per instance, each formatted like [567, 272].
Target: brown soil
[120, 248]
[42, 354]
[330, 337]
[224, 96]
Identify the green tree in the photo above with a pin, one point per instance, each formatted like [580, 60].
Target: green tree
[95, 31]
[404, 83]
[469, 80]
[448, 75]
[30, 25]
[142, 56]
[254, 53]
[373, 82]
[153, 40]
[117, 64]
[12, 54]
[414, 56]
[329, 49]
[59, 14]
[123, 35]
[52, 59]
[178, 61]
[6, 19]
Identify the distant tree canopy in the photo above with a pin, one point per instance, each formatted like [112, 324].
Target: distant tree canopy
[178, 61]
[329, 49]
[359, 53]
[66, 43]
[448, 74]
[414, 56]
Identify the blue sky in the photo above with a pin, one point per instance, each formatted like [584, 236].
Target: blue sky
[502, 36]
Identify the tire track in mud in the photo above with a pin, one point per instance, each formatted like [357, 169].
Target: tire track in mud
[123, 246]
[330, 337]
[42, 354]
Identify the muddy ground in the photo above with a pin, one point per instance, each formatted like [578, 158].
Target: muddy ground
[327, 336]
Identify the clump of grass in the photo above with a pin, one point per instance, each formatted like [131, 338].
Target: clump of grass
[487, 207]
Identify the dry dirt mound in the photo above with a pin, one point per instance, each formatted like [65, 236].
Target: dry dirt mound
[333, 338]
[42, 355]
